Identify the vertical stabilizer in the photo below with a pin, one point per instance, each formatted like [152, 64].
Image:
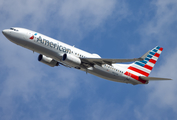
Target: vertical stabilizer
[144, 67]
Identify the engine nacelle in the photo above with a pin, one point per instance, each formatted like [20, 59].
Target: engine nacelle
[71, 60]
[47, 60]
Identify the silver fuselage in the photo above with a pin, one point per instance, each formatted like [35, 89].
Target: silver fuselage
[55, 49]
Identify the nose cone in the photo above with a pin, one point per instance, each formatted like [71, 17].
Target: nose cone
[5, 32]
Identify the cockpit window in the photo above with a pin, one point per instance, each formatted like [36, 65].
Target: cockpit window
[14, 29]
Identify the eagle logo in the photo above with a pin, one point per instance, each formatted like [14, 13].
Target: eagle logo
[32, 37]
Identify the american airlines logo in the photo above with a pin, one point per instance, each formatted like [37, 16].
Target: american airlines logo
[51, 44]
[32, 37]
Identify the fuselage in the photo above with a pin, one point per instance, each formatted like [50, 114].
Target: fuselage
[56, 49]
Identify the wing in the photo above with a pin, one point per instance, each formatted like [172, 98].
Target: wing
[100, 61]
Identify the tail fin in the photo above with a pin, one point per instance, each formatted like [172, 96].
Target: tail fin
[144, 67]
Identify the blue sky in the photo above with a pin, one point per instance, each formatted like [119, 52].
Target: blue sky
[31, 90]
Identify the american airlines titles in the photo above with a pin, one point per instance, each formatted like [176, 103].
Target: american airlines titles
[53, 45]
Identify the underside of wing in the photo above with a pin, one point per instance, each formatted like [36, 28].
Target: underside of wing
[100, 61]
[154, 78]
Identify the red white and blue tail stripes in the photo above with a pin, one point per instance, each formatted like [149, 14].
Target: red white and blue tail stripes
[144, 67]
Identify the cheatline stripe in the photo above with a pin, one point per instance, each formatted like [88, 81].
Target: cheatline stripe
[157, 54]
[154, 50]
[139, 71]
[158, 47]
[135, 77]
[147, 59]
[155, 58]
[139, 63]
[144, 61]
[150, 64]
[144, 65]
[150, 56]
[161, 49]
[148, 67]
[151, 53]
[152, 61]
[141, 68]
[135, 73]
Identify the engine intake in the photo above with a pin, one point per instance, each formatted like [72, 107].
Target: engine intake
[47, 60]
[71, 60]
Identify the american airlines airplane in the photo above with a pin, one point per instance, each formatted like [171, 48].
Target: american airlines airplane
[55, 53]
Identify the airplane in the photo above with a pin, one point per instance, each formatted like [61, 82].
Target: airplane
[54, 53]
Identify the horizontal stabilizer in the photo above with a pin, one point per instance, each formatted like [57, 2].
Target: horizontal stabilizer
[154, 78]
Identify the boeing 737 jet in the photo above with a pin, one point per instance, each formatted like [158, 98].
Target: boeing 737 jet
[55, 53]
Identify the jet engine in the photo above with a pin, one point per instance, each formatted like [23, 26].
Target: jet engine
[47, 60]
[71, 60]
